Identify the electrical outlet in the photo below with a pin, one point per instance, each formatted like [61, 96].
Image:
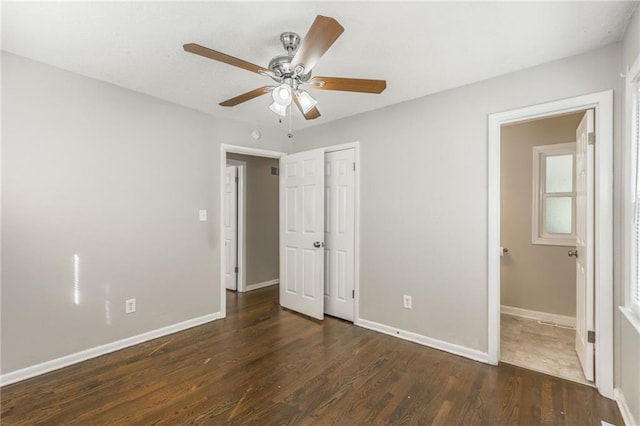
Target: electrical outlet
[203, 215]
[130, 306]
[406, 301]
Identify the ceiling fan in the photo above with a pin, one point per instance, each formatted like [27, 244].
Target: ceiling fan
[292, 71]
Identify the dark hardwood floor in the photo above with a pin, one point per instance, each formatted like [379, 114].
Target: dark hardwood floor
[265, 365]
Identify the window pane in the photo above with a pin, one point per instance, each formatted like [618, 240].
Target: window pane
[558, 214]
[559, 176]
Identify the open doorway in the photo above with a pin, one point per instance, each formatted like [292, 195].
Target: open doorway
[538, 233]
[250, 214]
[602, 239]
[227, 218]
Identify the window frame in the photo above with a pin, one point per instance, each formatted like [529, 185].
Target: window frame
[632, 191]
[538, 212]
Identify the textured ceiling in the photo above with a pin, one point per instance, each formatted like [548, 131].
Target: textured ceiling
[418, 47]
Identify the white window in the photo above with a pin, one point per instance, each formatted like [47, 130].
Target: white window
[554, 198]
[633, 223]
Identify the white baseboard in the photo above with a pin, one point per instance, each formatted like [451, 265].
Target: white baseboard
[536, 315]
[424, 340]
[45, 367]
[256, 286]
[624, 409]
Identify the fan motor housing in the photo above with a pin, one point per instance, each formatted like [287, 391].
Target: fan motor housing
[281, 65]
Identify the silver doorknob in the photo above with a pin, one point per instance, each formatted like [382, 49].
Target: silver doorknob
[318, 244]
[573, 253]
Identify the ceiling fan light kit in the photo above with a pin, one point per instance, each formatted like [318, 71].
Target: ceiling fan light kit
[293, 70]
[307, 103]
[281, 110]
[282, 94]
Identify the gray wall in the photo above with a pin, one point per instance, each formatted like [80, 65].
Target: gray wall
[532, 276]
[261, 215]
[627, 338]
[116, 177]
[423, 225]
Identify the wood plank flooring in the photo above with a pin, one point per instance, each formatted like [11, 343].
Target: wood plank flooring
[264, 365]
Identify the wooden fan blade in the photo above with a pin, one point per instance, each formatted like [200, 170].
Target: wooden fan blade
[246, 96]
[313, 112]
[221, 57]
[323, 33]
[348, 84]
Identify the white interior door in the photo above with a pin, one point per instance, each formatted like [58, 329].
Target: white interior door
[584, 244]
[302, 232]
[230, 220]
[339, 233]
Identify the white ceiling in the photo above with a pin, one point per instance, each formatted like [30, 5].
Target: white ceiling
[418, 47]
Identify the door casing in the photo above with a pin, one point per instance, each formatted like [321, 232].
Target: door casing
[602, 103]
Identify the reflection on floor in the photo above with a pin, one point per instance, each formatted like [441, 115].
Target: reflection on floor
[540, 347]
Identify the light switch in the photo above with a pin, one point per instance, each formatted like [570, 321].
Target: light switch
[203, 215]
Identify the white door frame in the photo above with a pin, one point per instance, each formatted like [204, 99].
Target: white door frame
[241, 224]
[224, 149]
[602, 102]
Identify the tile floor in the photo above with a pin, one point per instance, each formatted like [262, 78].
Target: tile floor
[541, 347]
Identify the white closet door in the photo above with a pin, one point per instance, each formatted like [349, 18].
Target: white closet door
[339, 234]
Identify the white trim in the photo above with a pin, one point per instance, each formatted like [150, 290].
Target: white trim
[356, 267]
[627, 417]
[241, 223]
[627, 189]
[341, 147]
[55, 364]
[263, 284]
[424, 340]
[493, 240]
[563, 320]
[602, 102]
[224, 148]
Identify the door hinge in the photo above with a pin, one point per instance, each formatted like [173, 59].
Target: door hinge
[235, 269]
[237, 180]
[275, 171]
[354, 167]
[591, 336]
[353, 294]
[591, 138]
